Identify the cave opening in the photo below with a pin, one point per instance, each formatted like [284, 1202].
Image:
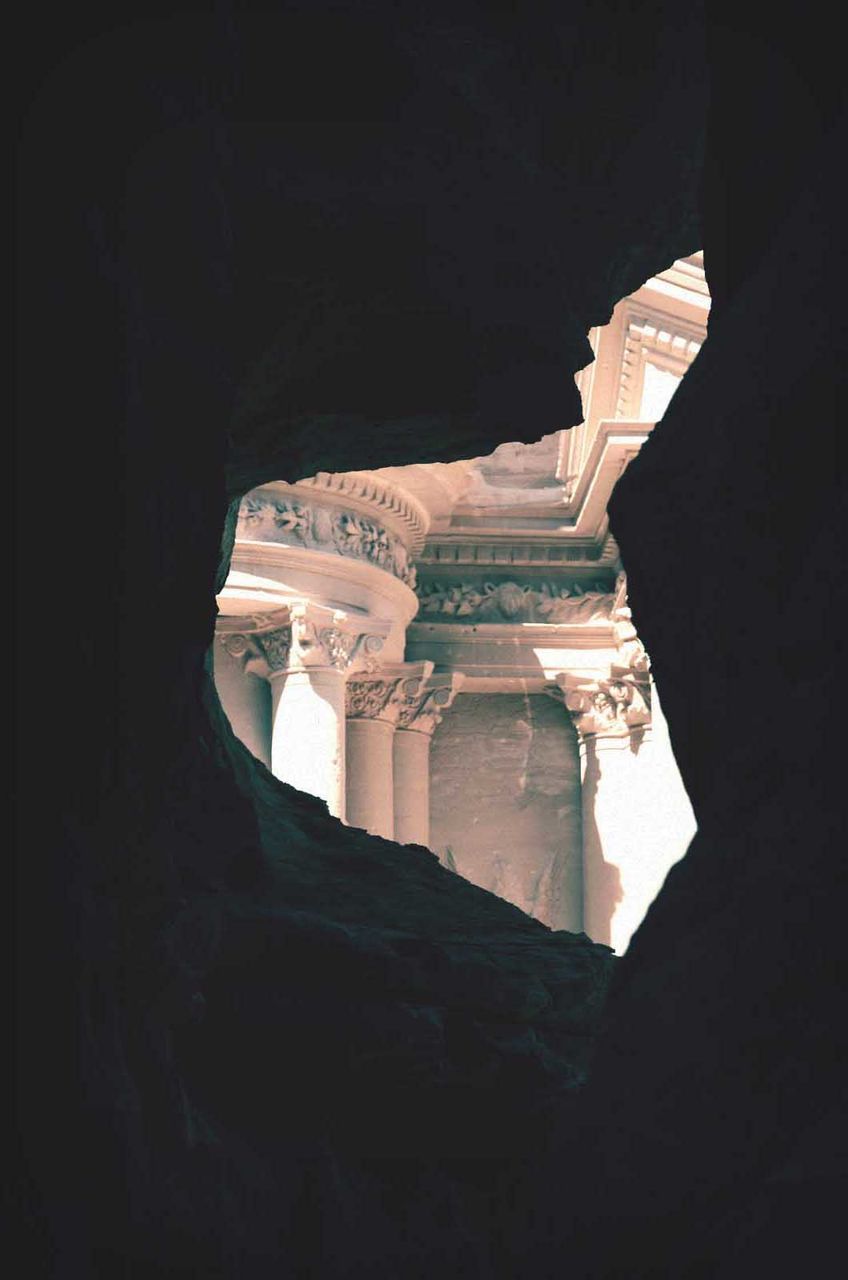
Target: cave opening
[444, 652]
[229, 1001]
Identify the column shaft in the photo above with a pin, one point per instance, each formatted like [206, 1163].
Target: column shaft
[246, 700]
[637, 822]
[307, 737]
[369, 776]
[412, 787]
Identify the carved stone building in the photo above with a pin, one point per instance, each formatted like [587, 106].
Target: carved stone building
[445, 655]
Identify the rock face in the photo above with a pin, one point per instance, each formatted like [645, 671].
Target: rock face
[498, 757]
[254, 247]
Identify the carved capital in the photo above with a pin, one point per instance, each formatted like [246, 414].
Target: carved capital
[424, 702]
[261, 653]
[275, 648]
[608, 706]
[631, 651]
[312, 636]
[324, 637]
[372, 698]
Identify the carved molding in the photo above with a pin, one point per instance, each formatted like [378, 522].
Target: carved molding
[521, 552]
[373, 490]
[269, 517]
[513, 602]
[668, 342]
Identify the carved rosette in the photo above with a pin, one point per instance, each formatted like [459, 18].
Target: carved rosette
[424, 702]
[268, 517]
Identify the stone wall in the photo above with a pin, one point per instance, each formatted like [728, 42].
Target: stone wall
[505, 800]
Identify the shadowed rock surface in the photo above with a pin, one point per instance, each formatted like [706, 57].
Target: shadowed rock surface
[254, 1042]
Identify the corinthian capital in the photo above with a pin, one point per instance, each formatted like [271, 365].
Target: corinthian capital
[424, 702]
[606, 706]
[323, 637]
[311, 636]
[261, 649]
[384, 694]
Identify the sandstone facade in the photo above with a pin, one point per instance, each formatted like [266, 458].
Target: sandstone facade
[390, 641]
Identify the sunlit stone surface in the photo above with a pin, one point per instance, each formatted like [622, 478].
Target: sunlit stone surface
[444, 653]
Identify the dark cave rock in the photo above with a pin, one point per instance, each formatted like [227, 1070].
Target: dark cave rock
[253, 1042]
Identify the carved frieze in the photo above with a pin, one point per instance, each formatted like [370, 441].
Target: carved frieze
[385, 497]
[514, 602]
[268, 517]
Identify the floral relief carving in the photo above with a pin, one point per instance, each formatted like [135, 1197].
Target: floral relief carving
[276, 647]
[512, 602]
[366, 699]
[337, 647]
[266, 517]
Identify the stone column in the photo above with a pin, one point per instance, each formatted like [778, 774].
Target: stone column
[306, 661]
[637, 820]
[370, 707]
[245, 696]
[420, 712]
[374, 702]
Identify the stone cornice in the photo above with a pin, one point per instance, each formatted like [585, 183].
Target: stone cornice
[283, 517]
[369, 494]
[523, 552]
[550, 603]
[668, 342]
